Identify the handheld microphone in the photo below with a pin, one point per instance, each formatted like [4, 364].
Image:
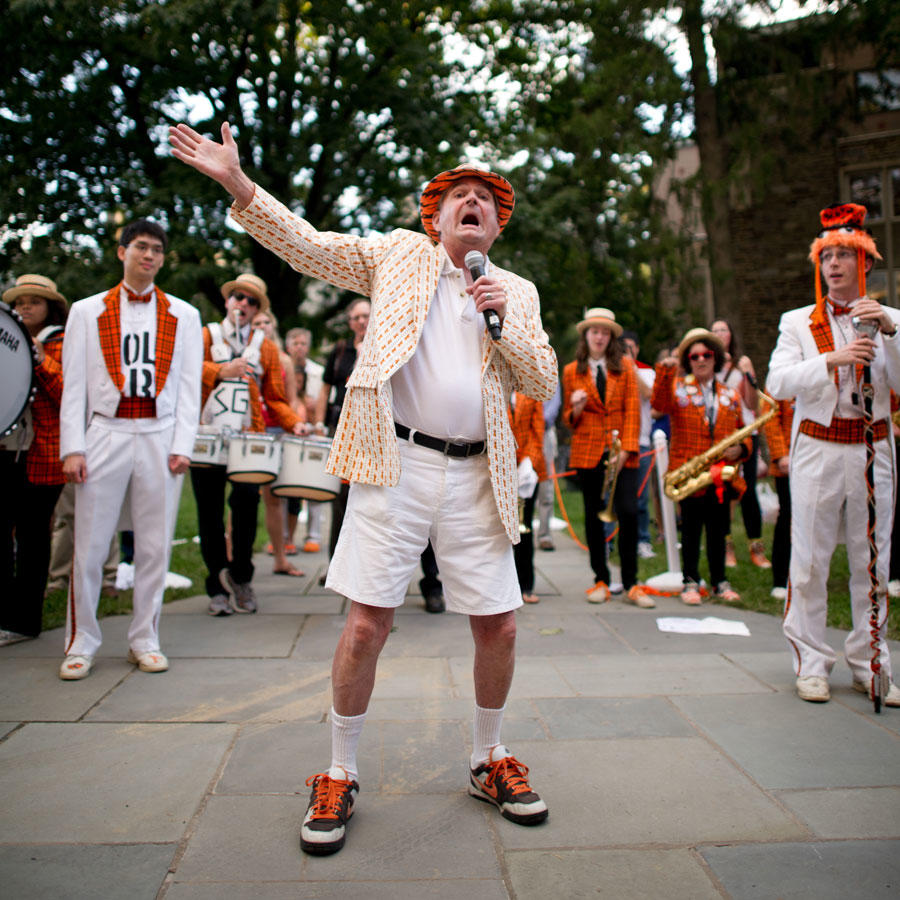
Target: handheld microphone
[863, 327]
[474, 261]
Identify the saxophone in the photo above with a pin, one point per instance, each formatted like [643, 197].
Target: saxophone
[610, 476]
[694, 475]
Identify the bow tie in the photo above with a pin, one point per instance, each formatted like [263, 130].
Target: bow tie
[138, 298]
[840, 310]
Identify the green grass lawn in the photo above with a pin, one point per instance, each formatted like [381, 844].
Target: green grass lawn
[752, 584]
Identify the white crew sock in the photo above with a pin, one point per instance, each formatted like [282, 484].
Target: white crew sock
[485, 733]
[345, 734]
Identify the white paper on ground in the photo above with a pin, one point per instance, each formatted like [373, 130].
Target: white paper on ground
[125, 578]
[707, 625]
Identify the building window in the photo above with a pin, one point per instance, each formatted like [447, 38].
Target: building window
[878, 189]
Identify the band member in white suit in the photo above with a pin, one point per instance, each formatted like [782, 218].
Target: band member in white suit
[128, 420]
[819, 358]
[425, 440]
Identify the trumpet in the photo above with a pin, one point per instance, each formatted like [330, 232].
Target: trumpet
[610, 477]
[694, 475]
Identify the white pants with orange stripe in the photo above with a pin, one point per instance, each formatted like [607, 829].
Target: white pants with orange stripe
[828, 506]
[126, 471]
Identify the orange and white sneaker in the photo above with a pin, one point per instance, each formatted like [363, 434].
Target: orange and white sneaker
[758, 555]
[311, 546]
[726, 593]
[599, 593]
[639, 597]
[690, 594]
[502, 781]
[330, 807]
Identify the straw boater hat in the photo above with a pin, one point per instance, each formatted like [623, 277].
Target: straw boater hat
[249, 284]
[434, 190]
[600, 316]
[698, 334]
[36, 286]
[842, 226]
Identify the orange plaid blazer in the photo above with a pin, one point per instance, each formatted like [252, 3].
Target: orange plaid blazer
[621, 411]
[777, 432]
[680, 397]
[527, 423]
[272, 385]
[43, 465]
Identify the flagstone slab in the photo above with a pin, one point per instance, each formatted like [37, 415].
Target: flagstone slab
[254, 636]
[111, 783]
[664, 675]
[580, 718]
[623, 874]
[221, 690]
[542, 631]
[823, 870]
[33, 690]
[338, 889]
[534, 677]
[857, 813]
[672, 791]
[83, 871]
[783, 742]
[390, 838]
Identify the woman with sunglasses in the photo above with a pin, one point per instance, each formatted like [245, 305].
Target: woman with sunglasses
[702, 412]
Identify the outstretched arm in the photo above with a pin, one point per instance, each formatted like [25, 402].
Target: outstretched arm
[220, 162]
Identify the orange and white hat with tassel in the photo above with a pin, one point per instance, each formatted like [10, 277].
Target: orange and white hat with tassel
[842, 226]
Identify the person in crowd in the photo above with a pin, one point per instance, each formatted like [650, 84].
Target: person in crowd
[738, 373]
[600, 396]
[546, 488]
[645, 375]
[777, 432]
[703, 411]
[526, 418]
[128, 419]
[894, 571]
[29, 463]
[233, 351]
[276, 518]
[308, 379]
[820, 358]
[338, 367]
[424, 438]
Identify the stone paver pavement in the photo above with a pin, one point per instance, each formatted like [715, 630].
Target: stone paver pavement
[676, 766]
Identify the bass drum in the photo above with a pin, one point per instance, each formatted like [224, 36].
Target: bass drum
[17, 361]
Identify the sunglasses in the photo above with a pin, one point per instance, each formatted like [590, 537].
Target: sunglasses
[240, 296]
[693, 357]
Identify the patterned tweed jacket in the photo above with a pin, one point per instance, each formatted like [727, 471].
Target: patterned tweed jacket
[399, 273]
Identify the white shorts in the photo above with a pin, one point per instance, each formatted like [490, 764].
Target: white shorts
[448, 500]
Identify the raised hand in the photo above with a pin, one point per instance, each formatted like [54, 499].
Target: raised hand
[221, 162]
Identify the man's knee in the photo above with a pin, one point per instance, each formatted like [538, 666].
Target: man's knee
[366, 629]
[496, 630]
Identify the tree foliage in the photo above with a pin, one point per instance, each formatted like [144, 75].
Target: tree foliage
[343, 109]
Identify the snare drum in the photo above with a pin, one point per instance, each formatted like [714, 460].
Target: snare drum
[210, 448]
[16, 369]
[302, 472]
[253, 458]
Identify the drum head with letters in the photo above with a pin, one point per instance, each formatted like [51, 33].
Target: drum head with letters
[16, 369]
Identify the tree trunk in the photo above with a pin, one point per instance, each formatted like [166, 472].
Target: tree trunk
[713, 149]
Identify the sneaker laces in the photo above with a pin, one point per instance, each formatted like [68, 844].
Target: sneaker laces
[511, 772]
[329, 795]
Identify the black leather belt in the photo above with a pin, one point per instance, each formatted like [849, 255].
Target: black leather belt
[448, 448]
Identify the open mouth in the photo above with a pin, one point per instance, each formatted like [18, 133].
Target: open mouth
[470, 219]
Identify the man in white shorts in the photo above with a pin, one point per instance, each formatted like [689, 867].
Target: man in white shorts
[425, 441]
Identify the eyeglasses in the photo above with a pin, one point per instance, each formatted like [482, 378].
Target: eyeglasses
[144, 247]
[708, 354]
[248, 297]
